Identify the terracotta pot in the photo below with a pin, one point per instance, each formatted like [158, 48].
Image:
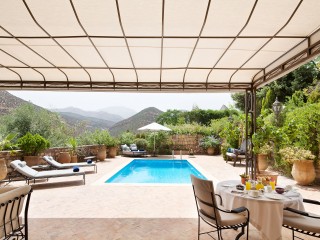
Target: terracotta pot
[303, 172]
[3, 169]
[64, 157]
[112, 152]
[243, 180]
[262, 161]
[210, 150]
[32, 160]
[74, 158]
[102, 153]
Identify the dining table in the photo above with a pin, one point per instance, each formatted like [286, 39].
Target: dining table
[266, 210]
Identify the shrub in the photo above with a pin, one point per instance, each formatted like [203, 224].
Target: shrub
[141, 143]
[32, 145]
[209, 141]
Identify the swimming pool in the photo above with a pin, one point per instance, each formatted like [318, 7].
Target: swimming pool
[156, 171]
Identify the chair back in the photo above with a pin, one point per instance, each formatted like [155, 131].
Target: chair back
[52, 162]
[11, 204]
[23, 168]
[133, 147]
[205, 198]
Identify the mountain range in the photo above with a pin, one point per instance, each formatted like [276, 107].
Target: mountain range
[102, 119]
[138, 120]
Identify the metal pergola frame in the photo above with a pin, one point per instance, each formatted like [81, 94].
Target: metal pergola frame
[41, 71]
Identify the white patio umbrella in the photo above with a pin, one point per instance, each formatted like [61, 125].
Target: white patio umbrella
[154, 127]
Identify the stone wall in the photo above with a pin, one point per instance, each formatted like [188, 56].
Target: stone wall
[184, 143]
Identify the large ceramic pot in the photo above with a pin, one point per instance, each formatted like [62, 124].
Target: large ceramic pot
[64, 157]
[262, 162]
[112, 152]
[32, 160]
[303, 172]
[102, 153]
[210, 150]
[74, 158]
[3, 169]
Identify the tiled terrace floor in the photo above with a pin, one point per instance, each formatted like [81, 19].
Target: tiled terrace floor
[64, 208]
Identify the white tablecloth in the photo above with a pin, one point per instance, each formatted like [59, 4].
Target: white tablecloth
[265, 214]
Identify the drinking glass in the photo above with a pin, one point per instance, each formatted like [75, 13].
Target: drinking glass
[273, 184]
[248, 185]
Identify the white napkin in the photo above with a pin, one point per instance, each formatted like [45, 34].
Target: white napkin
[291, 194]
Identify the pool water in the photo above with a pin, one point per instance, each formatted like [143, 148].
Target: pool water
[156, 171]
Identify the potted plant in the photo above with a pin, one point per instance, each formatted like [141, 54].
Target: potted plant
[112, 145]
[32, 146]
[73, 144]
[303, 170]
[263, 154]
[6, 144]
[211, 144]
[244, 177]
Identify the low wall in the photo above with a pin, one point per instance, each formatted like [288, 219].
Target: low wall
[184, 143]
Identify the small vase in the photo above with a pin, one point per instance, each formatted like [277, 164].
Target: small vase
[243, 180]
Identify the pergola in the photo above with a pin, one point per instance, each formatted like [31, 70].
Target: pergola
[155, 45]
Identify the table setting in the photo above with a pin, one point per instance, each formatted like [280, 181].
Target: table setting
[265, 203]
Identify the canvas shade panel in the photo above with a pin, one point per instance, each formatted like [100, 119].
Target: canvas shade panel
[157, 45]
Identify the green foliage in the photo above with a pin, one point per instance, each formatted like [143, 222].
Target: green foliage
[209, 141]
[292, 154]
[28, 118]
[32, 145]
[127, 138]
[73, 144]
[162, 142]
[268, 100]
[6, 143]
[217, 126]
[141, 143]
[100, 137]
[196, 115]
[314, 95]
[302, 127]
[190, 129]
[233, 131]
[239, 100]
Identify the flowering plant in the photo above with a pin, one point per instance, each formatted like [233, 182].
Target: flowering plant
[244, 175]
[265, 149]
[291, 154]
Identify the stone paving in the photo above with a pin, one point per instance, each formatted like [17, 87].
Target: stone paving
[64, 208]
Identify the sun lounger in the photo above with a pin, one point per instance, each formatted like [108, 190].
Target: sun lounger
[56, 165]
[30, 174]
[126, 151]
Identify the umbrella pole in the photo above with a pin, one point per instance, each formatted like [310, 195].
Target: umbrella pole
[154, 144]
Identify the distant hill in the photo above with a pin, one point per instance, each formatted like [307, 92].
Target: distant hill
[91, 122]
[124, 112]
[138, 120]
[9, 102]
[91, 114]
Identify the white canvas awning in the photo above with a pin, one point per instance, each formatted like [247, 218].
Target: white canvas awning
[154, 45]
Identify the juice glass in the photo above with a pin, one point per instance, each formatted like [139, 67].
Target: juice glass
[272, 184]
[248, 185]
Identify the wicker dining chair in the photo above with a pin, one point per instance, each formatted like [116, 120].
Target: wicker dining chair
[302, 222]
[213, 214]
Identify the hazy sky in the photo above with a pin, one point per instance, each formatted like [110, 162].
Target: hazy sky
[135, 101]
